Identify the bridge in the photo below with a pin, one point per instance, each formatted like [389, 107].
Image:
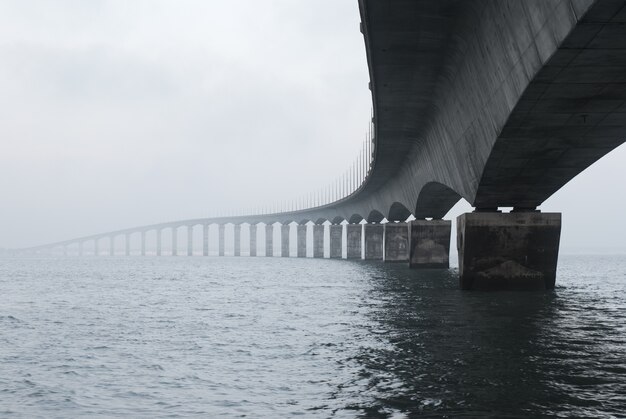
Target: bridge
[499, 102]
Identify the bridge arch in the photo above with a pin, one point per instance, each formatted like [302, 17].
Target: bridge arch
[435, 200]
[375, 217]
[355, 219]
[398, 212]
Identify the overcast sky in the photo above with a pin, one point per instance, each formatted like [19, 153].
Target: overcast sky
[120, 113]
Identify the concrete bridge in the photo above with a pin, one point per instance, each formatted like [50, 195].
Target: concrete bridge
[499, 102]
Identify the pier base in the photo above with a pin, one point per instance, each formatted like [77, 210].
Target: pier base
[284, 240]
[513, 251]
[301, 234]
[429, 244]
[353, 238]
[373, 241]
[336, 233]
[396, 236]
[318, 241]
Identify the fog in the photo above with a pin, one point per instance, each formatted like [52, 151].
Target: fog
[121, 113]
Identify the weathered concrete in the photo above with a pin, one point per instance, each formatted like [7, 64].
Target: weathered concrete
[284, 240]
[514, 251]
[429, 244]
[396, 239]
[158, 242]
[353, 239]
[269, 240]
[189, 240]
[336, 242]
[301, 240]
[221, 244]
[205, 240]
[318, 241]
[174, 241]
[237, 239]
[252, 239]
[143, 243]
[373, 234]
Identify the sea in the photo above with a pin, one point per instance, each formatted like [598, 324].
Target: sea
[256, 337]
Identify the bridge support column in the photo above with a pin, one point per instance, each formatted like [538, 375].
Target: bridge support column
[143, 243]
[112, 246]
[269, 240]
[336, 233]
[373, 241]
[127, 248]
[205, 240]
[396, 237]
[284, 240]
[221, 239]
[512, 251]
[429, 244]
[353, 236]
[318, 241]
[189, 240]
[252, 239]
[301, 235]
[158, 242]
[237, 240]
[174, 241]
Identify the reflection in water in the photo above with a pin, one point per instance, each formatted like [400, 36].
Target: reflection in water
[269, 337]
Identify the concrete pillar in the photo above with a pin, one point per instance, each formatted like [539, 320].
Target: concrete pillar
[336, 236]
[174, 241]
[143, 243]
[269, 240]
[221, 239]
[513, 251]
[252, 239]
[112, 246]
[96, 247]
[318, 241]
[373, 241]
[205, 240]
[127, 247]
[284, 240]
[301, 235]
[429, 244]
[396, 239]
[158, 240]
[189, 240]
[353, 238]
[237, 240]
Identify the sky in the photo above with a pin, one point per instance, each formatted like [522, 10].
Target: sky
[119, 113]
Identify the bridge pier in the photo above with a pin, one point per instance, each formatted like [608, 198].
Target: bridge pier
[284, 240]
[396, 239]
[269, 240]
[373, 241]
[512, 251]
[252, 239]
[301, 235]
[189, 240]
[353, 238]
[336, 233]
[318, 241]
[237, 240]
[143, 243]
[221, 240]
[429, 244]
[205, 240]
[174, 241]
[127, 248]
[158, 239]
[112, 246]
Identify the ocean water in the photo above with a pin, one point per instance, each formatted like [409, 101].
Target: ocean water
[271, 337]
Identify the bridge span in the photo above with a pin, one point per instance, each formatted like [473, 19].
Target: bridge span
[498, 102]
